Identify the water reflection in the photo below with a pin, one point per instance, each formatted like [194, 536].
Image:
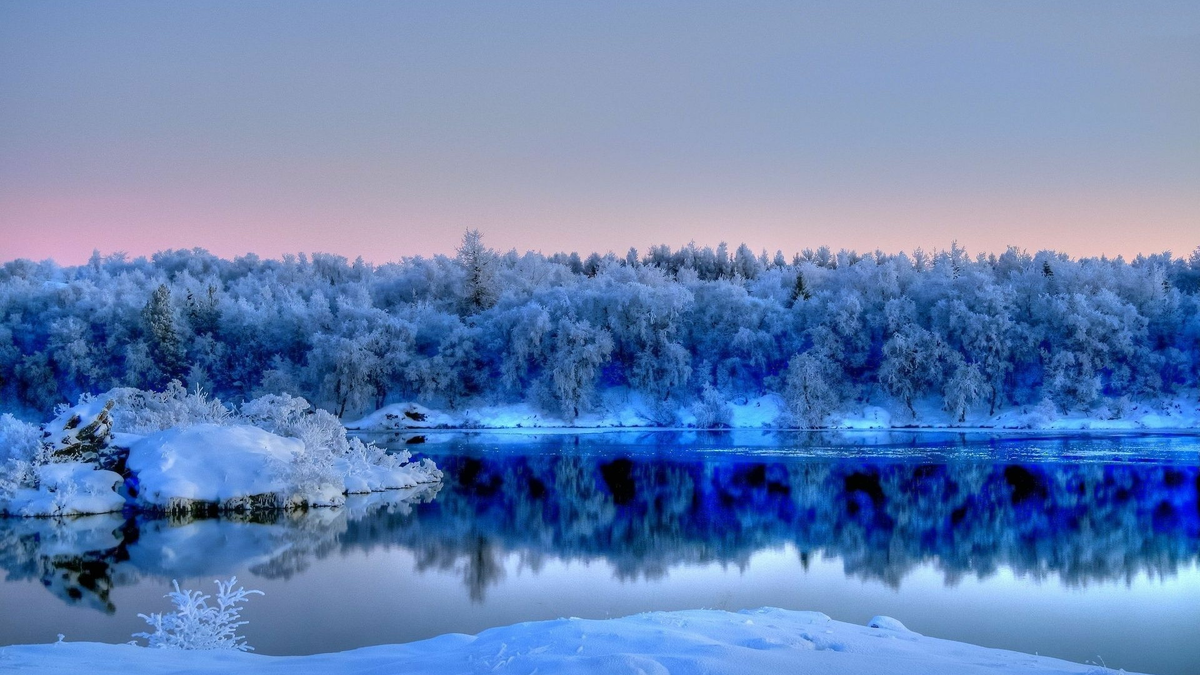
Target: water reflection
[1082, 523]
[646, 514]
[81, 560]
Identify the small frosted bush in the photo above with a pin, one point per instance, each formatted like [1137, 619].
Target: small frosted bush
[197, 625]
[1042, 415]
[143, 412]
[19, 440]
[21, 452]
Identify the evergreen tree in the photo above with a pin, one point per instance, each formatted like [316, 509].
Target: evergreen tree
[479, 263]
[800, 289]
[166, 347]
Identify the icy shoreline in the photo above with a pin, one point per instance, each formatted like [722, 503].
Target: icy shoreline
[626, 411]
[694, 641]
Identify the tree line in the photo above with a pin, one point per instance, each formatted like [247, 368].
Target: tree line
[824, 330]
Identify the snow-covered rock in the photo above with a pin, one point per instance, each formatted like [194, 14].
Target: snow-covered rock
[697, 641]
[888, 623]
[406, 416]
[82, 432]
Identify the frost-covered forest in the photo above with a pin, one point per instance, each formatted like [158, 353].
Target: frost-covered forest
[677, 327]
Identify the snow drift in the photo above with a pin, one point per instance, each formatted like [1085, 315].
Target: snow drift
[697, 641]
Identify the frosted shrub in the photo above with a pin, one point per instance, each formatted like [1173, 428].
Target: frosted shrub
[21, 452]
[19, 440]
[361, 458]
[1115, 408]
[197, 625]
[14, 475]
[1042, 415]
[142, 412]
[964, 389]
[275, 412]
[712, 411]
[311, 472]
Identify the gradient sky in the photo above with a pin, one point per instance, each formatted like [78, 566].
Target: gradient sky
[385, 129]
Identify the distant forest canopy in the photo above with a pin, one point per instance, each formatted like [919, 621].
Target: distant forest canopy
[681, 326]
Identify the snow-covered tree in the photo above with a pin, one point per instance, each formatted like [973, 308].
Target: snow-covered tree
[810, 397]
[912, 363]
[579, 352]
[712, 411]
[478, 262]
[162, 335]
[963, 389]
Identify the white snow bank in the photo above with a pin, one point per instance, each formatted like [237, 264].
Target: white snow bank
[361, 478]
[698, 641]
[620, 409]
[67, 489]
[227, 464]
[211, 463]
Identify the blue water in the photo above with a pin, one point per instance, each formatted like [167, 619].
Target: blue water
[1085, 548]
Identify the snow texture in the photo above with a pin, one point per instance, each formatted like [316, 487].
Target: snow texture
[697, 641]
[211, 463]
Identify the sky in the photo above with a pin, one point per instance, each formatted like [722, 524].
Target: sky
[385, 129]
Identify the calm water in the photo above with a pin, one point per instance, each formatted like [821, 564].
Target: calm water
[1082, 548]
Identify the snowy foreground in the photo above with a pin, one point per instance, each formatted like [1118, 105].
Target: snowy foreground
[697, 641]
[628, 410]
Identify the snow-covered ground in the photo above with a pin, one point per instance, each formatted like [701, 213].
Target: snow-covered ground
[697, 641]
[621, 409]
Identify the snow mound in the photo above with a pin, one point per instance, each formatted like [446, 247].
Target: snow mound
[211, 463]
[888, 623]
[67, 489]
[241, 466]
[406, 416]
[619, 410]
[697, 641]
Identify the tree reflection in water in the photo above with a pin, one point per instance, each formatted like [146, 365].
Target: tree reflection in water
[1099, 521]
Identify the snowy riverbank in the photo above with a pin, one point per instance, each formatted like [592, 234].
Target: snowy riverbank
[698, 641]
[627, 410]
